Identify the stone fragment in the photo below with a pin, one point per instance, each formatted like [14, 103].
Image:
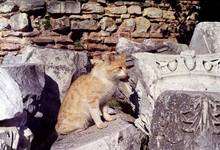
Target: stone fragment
[60, 23]
[102, 1]
[116, 10]
[128, 25]
[206, 38]
[19, 22]
[118, 135]
[182, 131]
[108, 24]
[128, 46]
[30, 5]
[90, 25]
[43, 40]
[134, 9]
[7, 7]
[11, 102]
[64, 7]
[4, 23]
[142, 24]
[92, 7]
[153, 12]
[170, 15]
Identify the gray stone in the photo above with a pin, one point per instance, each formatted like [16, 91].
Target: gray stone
[14, 138]
[128, 46]
[93, 8]
[89, 24]
[108, 24]
[153, 12]
[19, 22]
[61, 66]
[31, 81]
[30, 5]
[142, 24]
[134, 9]
[4, 23]
[7, 7]
[64, 7]
[185, 120]
[118, 135]
[206, 38]
[11, 98]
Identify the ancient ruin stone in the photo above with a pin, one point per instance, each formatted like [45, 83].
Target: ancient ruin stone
[128, 25]
[118, 135]
[7, 7]
[189, 72]
[108, 24]
[116, 10]
[206, 37]
[9, 47]
[11, 102]
[91, 25]
[64, 7]
[142, 24]
[4, 23]
[60, 23]
[169, 15]
[19, 22]
[30, 5]
[152, 12]
[185, 120]
[125, 16]
[92, 7]
[134, 9]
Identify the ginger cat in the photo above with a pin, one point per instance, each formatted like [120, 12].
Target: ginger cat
[87, 96]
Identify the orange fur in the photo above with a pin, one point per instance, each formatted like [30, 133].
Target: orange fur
[86, 99]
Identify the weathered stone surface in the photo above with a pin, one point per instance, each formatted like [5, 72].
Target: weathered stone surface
[29, 5]
[60, 23]
[59, 65]
[11, 102]
[159, 73]
[13, 138]
[64, 7]
[169, 15]
[142, 24]
[128, 25]
[108, 24]
[125, 16]
[118, 135]
[43, 40]
[19, 22]
[206, 37]
[116, 10]
[134, 9]
[4, 23]
[7, 7]
[31, 81]
[128, 46]
[185, 120]
[91, 25]
[92, 7]
[152, 12]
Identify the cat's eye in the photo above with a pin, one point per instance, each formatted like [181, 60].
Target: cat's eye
[120, 67]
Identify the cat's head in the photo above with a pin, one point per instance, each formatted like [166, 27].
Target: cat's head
[113, 66]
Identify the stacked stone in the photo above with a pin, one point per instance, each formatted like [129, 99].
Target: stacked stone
[94, 25]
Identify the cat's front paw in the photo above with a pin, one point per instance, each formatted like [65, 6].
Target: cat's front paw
[102, 125]
[110, 117]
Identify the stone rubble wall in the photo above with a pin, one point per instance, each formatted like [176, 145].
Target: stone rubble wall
[93, 25]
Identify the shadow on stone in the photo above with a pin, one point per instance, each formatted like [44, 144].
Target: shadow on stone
[43, 128]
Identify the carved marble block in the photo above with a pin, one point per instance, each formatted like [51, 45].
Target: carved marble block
[186, 121]
[159, 73]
